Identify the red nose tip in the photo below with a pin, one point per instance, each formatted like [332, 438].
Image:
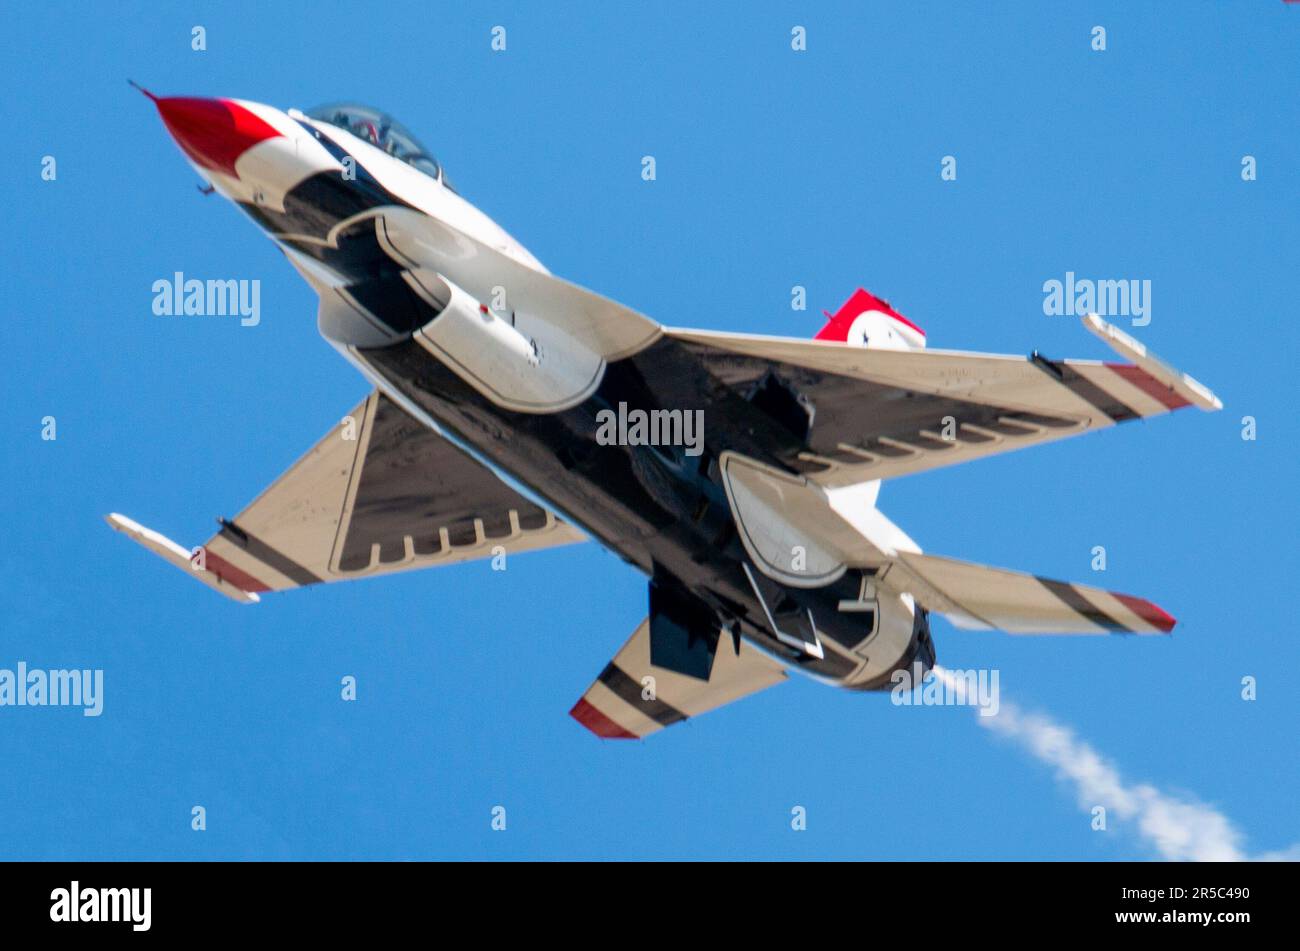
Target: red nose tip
[213, 132]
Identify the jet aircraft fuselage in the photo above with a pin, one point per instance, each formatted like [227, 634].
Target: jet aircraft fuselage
[759, 528]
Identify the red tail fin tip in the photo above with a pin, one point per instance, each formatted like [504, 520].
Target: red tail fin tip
[867, 321]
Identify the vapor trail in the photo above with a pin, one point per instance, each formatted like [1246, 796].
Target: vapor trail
[1178, 829]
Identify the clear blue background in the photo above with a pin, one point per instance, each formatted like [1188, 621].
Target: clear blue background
[775, 168]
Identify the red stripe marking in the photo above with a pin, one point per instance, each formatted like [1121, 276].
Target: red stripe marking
[598, 723]
[1149, 385]
[224, 570]
[1152, 614]
[858, 304]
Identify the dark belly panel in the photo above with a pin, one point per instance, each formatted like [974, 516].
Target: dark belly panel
[660, 509]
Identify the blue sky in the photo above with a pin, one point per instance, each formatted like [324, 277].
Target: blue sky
[775, 168]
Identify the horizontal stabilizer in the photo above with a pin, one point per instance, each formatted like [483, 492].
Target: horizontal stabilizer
[982, 598]
[633, 697]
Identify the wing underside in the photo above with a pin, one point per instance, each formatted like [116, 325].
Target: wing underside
[379, 493]
[881, 414]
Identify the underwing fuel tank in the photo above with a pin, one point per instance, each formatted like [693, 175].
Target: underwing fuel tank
[516, 360]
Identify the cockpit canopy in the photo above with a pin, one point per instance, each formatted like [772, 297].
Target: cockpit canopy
[380, 130]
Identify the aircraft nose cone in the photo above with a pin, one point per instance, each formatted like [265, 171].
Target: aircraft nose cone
[213, 132]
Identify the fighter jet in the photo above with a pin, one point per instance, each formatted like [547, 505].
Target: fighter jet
[513, 410]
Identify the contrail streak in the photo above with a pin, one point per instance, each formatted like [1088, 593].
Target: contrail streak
[1178, 829]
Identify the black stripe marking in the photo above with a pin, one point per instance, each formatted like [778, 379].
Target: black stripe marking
[1085, 389]
[1071, 597]
[629, 690]
[267, 555]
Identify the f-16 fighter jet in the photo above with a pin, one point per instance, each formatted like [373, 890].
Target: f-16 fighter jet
[513, 410]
